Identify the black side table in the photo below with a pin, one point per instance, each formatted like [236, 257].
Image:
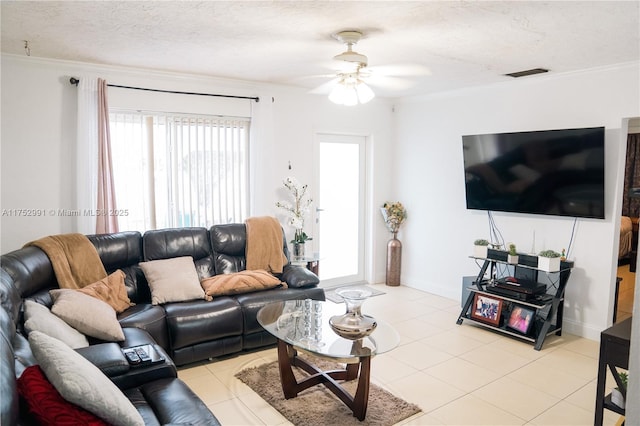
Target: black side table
[614, 354]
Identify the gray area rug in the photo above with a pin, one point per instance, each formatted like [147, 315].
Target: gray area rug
[317, 405]
[331, 295]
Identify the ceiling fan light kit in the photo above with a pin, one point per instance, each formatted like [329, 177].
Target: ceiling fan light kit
[350, 91]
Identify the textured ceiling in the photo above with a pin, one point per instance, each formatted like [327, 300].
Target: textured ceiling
[413, 46]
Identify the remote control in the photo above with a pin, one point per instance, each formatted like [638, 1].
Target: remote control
[132, 357]
[144, 357]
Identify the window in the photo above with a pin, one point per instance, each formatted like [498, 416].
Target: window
[179, 170]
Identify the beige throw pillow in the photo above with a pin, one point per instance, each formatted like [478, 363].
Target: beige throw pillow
[39, 318]
[82, 383]
[172, 280]
[111, 290]
[87, 314]
[239, 282]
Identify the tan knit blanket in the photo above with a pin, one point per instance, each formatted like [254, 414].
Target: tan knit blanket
[75, 260]
[264, 244]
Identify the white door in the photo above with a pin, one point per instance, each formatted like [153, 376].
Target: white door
[340, 208]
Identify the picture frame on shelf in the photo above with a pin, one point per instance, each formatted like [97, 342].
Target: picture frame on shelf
[521, 318]
[486, 309]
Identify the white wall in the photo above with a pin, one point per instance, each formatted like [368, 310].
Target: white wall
[415, 157]
[439, 232]
[38, 139]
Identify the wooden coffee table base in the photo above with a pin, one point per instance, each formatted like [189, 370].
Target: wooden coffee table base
[288, 357]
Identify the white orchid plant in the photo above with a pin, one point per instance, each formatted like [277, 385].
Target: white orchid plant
[297, 210]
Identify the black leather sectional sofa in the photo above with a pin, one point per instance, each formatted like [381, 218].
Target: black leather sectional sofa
[184, 332]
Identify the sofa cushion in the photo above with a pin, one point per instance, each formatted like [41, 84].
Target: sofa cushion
[46, 404]
[178, 242]
[170, 402]
[123, 250]
[82, 383]
[148, 317]
[208, 350]
[239, 282]
[10, 299]
[39, 318]
[199, 321]
[118, 250]
[30, 270]
[172, 280]
[87, 314]
[110, 290]
[228, 243]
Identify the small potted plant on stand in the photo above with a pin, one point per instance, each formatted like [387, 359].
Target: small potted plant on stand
[481, 248]
[616, 395]
[512, 256]
[549, 261]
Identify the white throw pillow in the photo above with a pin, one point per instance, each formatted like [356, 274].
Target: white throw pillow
[82, 383]
[87, 314]
[172, 280]
[39, 318]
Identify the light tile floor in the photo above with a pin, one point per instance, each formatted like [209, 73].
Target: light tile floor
[457, 374]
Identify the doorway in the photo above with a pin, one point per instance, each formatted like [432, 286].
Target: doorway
[628, 246]
[340, 212]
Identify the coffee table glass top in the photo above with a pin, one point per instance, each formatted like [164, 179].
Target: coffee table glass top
[305, 325]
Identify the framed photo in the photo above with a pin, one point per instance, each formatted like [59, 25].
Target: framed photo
[486, 309]
[521, 319]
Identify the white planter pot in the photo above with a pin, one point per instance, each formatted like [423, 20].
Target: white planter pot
[480, 251]
[617, 398]
[512, 258]
[549, 264]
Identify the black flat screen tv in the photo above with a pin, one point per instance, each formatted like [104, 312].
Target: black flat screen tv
[550, 172]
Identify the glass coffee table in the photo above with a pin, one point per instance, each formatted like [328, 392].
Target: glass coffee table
[303, 325]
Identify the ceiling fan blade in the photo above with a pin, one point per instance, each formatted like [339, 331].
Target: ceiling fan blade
[325, 88]
[315, 76]
[401, 70]
[388, 82]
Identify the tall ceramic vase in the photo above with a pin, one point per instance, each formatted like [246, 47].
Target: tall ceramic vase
[394, 260]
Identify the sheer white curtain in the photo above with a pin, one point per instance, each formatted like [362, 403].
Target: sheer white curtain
[87, 153]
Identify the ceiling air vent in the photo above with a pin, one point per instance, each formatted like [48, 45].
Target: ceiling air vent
[527, 72]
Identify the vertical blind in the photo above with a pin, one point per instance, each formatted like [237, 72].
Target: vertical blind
[175, 170]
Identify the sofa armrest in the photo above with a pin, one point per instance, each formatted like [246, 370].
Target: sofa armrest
[139, 375]
[108, 357]
[298, 276]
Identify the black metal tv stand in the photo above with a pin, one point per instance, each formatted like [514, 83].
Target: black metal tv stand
[548, 307]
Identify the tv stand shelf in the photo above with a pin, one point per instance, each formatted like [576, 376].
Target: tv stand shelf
[546, 311]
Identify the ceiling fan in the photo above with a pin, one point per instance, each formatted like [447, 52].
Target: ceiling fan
[350, 84]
